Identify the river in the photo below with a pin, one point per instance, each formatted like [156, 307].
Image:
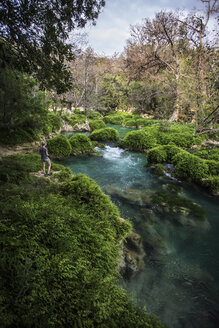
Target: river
[180, 280]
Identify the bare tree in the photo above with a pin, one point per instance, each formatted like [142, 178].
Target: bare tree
[159, 44]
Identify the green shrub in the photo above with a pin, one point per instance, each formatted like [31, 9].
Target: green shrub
[189, 167]
[59, 146]
[96, 124]
[73, 119]
[106, 134]
[14, 168]
[80, 144]
[157, 155]
[17, 136]
[138, 140]
[55, 122]
[77, 111]
[47, 130]
[23, 107]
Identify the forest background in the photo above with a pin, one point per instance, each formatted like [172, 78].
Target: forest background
[168, 69]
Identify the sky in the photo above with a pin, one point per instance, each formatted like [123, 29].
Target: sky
[113, 24]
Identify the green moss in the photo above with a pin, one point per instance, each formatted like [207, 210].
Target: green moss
[163, 154]
[208, 153]
[130, 123]
[93, 115]
[159, 169]
[106, 134]
[211, 183]
[171, 151]
[59, 147]
[64, 174]
[138, 141]
[81, 144]
[180, 139]
[143, 122]
[96, 124]
[213, 167]
[173, 188]
[157, 155]
[115, 119]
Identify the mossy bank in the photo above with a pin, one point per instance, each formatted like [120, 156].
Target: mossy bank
[60, 247]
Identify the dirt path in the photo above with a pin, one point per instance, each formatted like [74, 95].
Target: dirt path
[26, 148]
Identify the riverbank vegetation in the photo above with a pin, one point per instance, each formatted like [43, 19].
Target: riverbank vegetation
[60, 247]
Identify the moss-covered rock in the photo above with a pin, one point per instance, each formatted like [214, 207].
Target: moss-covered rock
[130, 123]
[91, 114]
[189, 167]
[184, 140]
[133, 253]
[106, 134]
[138, 141]
[211, 183]
[157, 155]
[114, 119]
[159, 169]
[144, 122]
[171, 151]
[162, 154]
[96, 124]
[59, 147]
[207, 153]
[81, 144]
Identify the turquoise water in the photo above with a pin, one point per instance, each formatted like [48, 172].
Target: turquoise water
[180, 280]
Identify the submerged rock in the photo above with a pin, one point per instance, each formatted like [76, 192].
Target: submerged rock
[131, 195]
[132, 256]
[179, 210]
[155, 246]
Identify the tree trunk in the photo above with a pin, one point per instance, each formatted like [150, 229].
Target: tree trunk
[86, 120]
[175, 115]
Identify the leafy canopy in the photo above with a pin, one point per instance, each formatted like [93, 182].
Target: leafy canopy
[34, 35]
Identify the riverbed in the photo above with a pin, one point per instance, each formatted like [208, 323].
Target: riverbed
[180, 279]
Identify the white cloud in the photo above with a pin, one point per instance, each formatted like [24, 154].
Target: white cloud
[113, 25]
